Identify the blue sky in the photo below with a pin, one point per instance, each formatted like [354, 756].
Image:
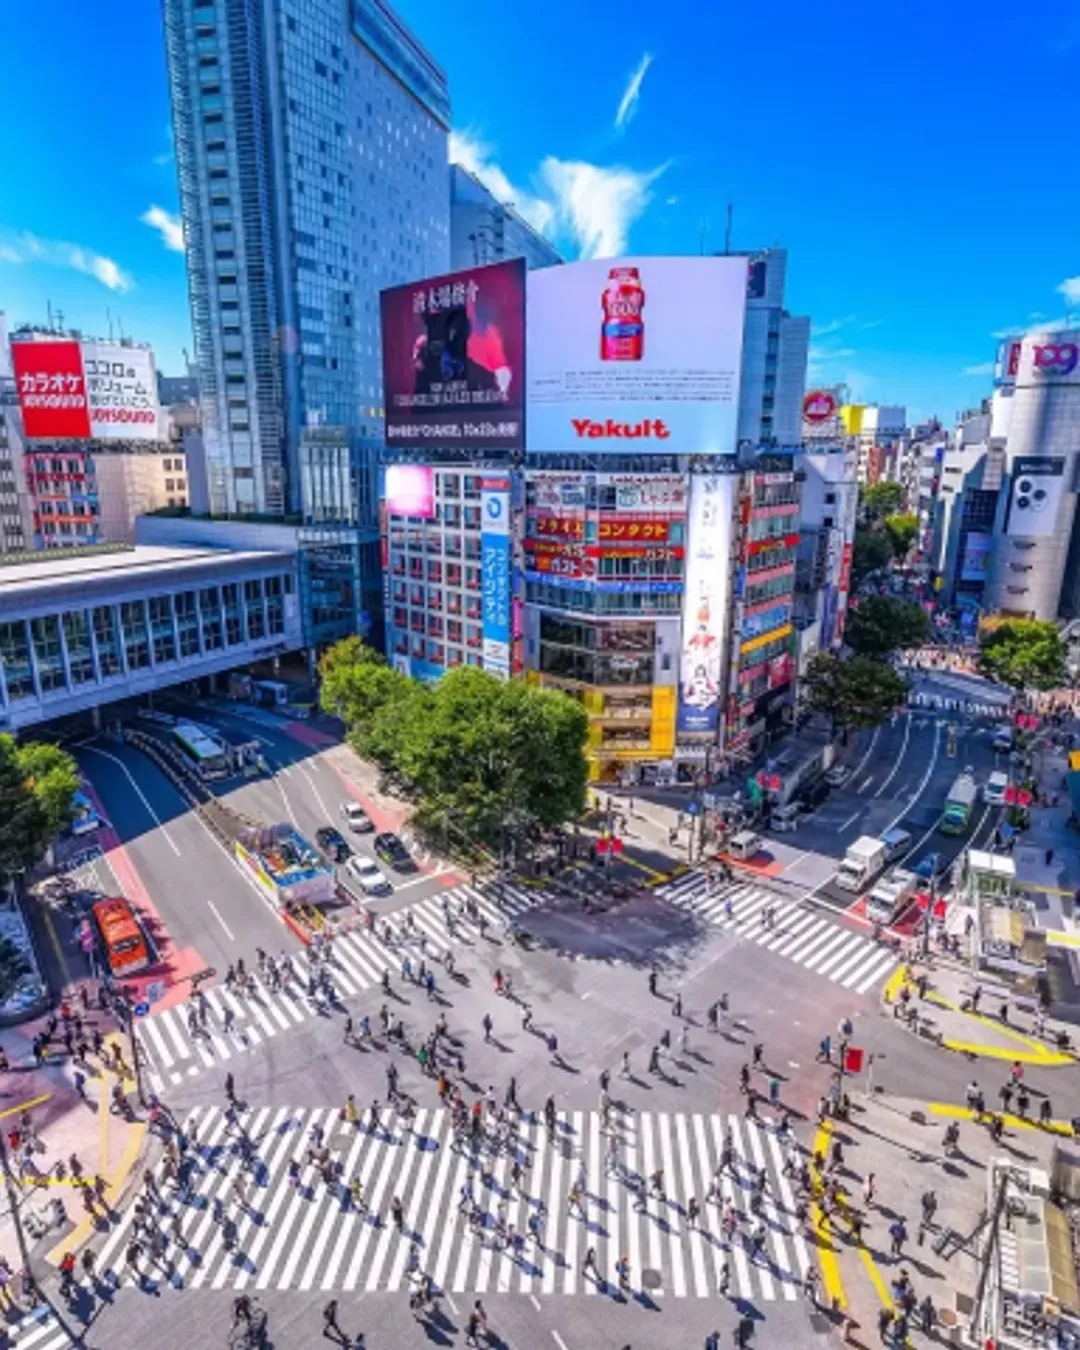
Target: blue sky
[916, 162]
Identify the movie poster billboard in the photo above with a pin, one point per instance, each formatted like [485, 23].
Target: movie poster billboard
[636, 356]
[706, 599]
[454, 359]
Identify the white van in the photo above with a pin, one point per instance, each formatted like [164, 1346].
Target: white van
[994, 788]
[896, 842]
[746, 844]
[1003, 741]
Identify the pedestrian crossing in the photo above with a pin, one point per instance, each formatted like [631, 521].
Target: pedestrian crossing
[842, 955]
[38, 1329]
[174, 1050]
[304, 1232]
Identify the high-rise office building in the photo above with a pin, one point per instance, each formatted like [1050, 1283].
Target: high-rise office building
[775, 349]
[311, 146]
[486, 230]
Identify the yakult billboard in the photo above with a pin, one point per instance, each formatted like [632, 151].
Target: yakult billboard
[71, 390]
[635, 355]
[453, 358]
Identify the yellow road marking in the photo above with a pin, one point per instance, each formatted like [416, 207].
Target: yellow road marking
[826, 1251]
[104, 1099]
[1013, 1122]
[894, 984]
[25, 1106]
[643, 867]
[86, 1227]
[1046, 1060]
[1056, 939]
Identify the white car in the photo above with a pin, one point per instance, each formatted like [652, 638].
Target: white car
[368, 875]
[838, 774]
[994, 788]
[356, 818]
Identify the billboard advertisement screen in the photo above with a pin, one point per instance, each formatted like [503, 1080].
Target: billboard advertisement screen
[454, 359]
[52, 390]
[410, 490]
[635, 356]
[1037, 484]
[121, 389]
[705, 601]
[495, 574]
[975, 559]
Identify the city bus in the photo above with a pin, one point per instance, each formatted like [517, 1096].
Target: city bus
[122, 940]
[958, 804]
[208, 756]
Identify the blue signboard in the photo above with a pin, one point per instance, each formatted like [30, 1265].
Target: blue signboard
[495, 572]
[610, 587]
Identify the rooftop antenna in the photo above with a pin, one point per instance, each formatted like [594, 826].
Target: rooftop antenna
[108, 316]
[727, 231]
[60, 320]
[120, 326]
[48, 312]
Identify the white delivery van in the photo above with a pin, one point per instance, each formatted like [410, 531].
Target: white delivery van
[863, 860]
[746, 844]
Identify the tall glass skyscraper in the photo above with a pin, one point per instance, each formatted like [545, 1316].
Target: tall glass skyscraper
[311, 146]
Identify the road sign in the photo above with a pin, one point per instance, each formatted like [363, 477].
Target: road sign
[155, 991]
[853, 1059]
[141, 1009]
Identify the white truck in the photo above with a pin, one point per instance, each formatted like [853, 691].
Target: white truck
[889, 898]
[864, 859]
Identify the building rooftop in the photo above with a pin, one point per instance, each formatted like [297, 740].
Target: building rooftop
[24, 580]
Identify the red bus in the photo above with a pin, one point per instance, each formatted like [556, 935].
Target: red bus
[122, 938]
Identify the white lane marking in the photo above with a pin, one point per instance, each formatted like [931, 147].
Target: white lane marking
[214, 911]
[557, 1338]
[899, 758]
[284, 798]
[869, 751]
[94, 750]
[850, 819]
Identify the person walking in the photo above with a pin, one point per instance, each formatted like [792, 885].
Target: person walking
[331, 1329]
[589, 1266]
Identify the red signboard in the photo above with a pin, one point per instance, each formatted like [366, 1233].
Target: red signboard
[559, 527]
[52, 389]
[634, 529]
[853, 1060]
[818, 406]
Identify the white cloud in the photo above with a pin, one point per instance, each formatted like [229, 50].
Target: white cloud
[631, 94]
[590, 204]
[474, 154]
[1070, 289]
[169, 226]
[598, 205]
[29, 248]
[983, 368]
[872, 323]
[833, 326]
[671, 201]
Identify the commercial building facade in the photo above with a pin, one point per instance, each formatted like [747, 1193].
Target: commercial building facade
[486, 230]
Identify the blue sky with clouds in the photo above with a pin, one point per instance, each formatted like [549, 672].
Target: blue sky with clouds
[915, 161]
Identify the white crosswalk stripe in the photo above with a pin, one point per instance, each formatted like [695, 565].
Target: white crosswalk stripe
[297, 1230]
[848, 958]
[173, 1053]
[38, 1330]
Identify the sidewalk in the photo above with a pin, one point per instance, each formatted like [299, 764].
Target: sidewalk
[944, 1010]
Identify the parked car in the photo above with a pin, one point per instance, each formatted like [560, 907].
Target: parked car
[837, 775]
[390, 850]
[368, 875]
[332, 842]
[356, 818]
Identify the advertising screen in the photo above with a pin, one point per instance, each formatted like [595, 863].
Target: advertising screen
[410, 490]
[1037, 484]
[975, 560]
[495, 574]
[705, 601]
[121, 391]
[635, 355]
[52, 390]
[454, 359]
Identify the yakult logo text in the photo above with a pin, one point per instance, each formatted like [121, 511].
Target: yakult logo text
[652, 426]
[1060, 357]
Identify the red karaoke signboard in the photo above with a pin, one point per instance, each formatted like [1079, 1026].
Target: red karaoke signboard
[52, 390]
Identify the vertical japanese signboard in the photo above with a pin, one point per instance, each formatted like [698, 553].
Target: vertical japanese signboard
[495, 572]
[706, 600]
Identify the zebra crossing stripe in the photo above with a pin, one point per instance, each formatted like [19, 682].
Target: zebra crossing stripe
[838, 953]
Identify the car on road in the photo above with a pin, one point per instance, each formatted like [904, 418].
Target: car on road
[1003, 741]
[368, 875]
[838, 775]
[811, 794]
[356, 818]
[785, 817]
[930, 867]
[332, 842]
[390, 850]
[995, 787]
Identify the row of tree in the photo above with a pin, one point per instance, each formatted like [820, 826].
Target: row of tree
[483, 758]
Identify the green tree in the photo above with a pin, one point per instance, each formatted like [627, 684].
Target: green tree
[37, 784]
[880, 499]
[871, 552]
[880, 624]
[1023, 653]
[901, 532]
[859, 692]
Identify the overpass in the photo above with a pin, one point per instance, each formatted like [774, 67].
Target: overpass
[78, 632]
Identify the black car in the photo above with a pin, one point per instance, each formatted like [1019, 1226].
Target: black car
[332, 842]
[390, 850]
[810, 795]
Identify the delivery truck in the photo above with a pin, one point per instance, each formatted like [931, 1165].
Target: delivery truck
[863, 860]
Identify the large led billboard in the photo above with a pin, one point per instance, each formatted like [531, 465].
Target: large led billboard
[454, 359]
[1037, 485]
[635, 355]
[706, 600]
[71, 390]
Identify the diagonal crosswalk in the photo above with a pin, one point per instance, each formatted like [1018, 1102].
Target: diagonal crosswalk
[840, 954]
[304, 1232]
[174, 1050]
[38, 1330]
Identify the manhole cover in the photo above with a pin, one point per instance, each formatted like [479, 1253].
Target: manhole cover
[651, 1279]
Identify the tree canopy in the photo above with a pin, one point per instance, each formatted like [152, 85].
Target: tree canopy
[38, 783]
[881, 499]
[901, 532]
[1023, 653]
[479, 753]
[880, 624]
[871, 552]
[858, 692]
